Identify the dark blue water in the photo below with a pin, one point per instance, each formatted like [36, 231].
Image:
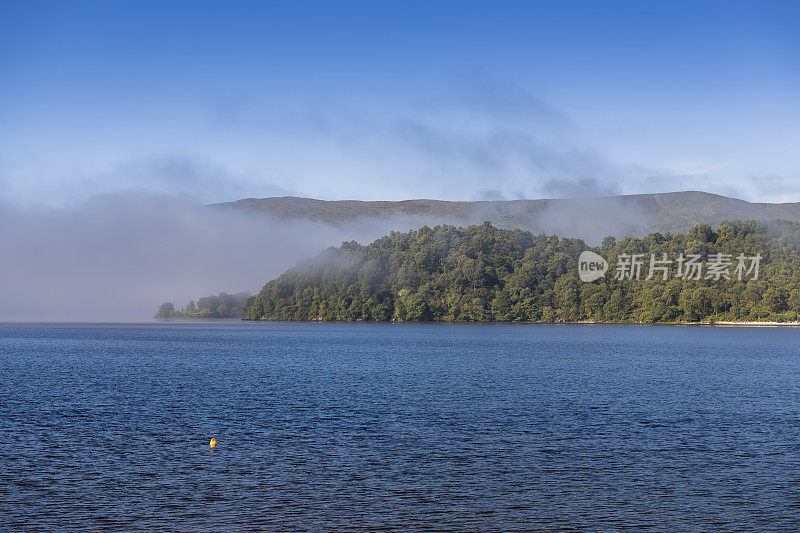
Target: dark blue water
[335, 427]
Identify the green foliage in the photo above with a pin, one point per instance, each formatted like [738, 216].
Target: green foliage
[482, 273]
[220, 306]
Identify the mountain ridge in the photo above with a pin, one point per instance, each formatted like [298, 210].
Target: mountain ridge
[592, 218]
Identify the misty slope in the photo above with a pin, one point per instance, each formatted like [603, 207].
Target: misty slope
[591, 219]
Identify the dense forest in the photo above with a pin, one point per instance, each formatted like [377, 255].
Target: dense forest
[220, 306]
[483, 274]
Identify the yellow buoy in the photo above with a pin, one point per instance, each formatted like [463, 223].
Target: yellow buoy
[213, 442]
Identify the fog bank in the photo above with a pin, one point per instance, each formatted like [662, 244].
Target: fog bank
[117, 257]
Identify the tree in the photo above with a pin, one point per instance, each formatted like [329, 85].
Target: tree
[165, 310]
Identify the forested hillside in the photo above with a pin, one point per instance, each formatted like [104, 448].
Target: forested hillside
[482, 273]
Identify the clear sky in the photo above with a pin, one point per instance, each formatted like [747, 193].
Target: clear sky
[391, 100]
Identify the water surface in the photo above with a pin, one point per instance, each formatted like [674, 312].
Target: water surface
[327, 427]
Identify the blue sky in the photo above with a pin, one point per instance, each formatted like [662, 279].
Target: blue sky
[394, 100]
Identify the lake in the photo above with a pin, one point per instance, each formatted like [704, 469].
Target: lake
[338, 427]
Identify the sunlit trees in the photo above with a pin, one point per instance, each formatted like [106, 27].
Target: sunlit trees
[482, 273]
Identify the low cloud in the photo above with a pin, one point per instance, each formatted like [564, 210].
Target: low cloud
[592, 219]
[579, 188]
[116, 257]
[192, 176]
[474, 137]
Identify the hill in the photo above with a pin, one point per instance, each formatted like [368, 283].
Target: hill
[591, 219]
[482, 273]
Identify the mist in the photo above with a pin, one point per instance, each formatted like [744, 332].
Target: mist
[593, 219]
[116, 257]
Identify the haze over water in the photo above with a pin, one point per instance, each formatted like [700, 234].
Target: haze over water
[398, 427]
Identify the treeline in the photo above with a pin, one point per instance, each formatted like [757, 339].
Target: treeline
[220, 306]
[482, 274]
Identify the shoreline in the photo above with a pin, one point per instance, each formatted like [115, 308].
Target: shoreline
[723, 323]
[759, 324]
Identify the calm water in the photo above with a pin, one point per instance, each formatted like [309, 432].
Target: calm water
[409, 427]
